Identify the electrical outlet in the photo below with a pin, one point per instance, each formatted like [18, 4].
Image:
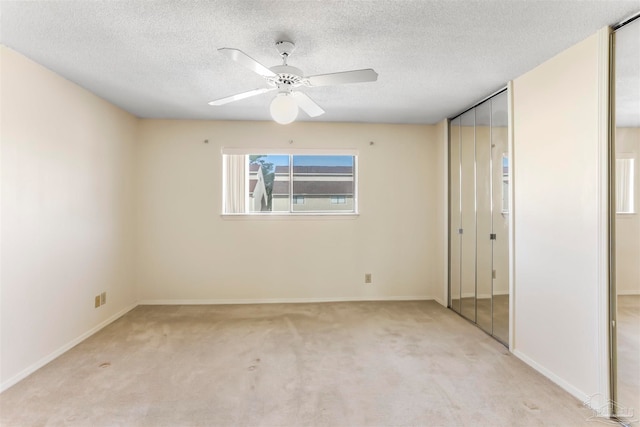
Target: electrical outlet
[97, 301]
[103, 298]
[367, 278]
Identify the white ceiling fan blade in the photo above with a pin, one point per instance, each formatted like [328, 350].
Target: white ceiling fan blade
[355, 76]
[240, 96]
[244, 59]
[307, 104]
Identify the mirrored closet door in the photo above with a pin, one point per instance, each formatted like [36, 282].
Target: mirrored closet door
[625, 290]
[479, 233]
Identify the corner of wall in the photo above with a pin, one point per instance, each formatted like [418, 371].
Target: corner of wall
[67, 214]
[442, 282]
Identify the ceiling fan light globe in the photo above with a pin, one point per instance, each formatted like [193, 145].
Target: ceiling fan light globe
[284, 109]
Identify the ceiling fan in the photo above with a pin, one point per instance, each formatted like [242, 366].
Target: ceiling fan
[285, 78]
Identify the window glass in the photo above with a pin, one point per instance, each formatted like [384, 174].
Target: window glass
[338, 200]
[268, 183]
[288, 183]
[322, 180]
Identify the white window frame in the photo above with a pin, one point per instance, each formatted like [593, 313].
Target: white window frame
[287, 152]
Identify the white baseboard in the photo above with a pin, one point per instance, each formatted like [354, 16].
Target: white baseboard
[40, 363]
[575, 392]
[278, 300]
[631, 292]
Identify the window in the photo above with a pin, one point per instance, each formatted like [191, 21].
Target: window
[625, 188]
[338, 200]
[289, 183]
[505, 184]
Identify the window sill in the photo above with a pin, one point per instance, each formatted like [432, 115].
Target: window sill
[297, 216]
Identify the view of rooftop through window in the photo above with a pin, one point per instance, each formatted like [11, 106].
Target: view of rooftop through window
[316, 183]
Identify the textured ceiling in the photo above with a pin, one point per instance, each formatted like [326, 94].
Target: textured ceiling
[158, 59]
[628, 75]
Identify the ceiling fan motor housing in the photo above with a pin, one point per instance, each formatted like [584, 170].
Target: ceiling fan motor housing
[287, 77]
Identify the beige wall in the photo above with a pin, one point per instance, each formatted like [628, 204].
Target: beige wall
[628, 226]
[67, 199]
[560, 159]
[187, 251]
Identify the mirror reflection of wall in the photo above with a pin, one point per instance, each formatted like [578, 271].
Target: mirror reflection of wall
[627, 220]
